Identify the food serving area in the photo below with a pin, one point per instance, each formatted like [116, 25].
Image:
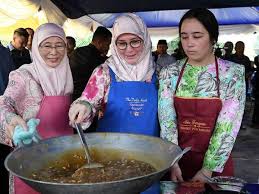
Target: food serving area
[245, 154]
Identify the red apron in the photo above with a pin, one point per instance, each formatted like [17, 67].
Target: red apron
[54, 122]
[196, 119]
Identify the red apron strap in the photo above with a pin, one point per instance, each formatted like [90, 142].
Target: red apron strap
[180, 76]
[217, 75]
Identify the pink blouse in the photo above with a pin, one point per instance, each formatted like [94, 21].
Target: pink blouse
[22, 96]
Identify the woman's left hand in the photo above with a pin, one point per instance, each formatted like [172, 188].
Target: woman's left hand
[202, 175]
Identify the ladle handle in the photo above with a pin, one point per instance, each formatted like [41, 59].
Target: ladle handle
[83, 141]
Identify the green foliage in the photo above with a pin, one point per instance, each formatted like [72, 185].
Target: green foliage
[83, 42]
[173, 44]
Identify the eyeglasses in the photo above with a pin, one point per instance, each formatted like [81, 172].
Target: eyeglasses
[48, 48]
[123, 45]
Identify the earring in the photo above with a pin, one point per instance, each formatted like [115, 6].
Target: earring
[215, 46]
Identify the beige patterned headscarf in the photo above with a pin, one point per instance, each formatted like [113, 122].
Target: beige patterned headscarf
[145, 66]
[56, 81]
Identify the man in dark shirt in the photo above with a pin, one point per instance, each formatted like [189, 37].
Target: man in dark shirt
[84, 60]
[6, 66]
[71, 44]
[255, 82]
[19, 53]
[240, 58]
[228, 46]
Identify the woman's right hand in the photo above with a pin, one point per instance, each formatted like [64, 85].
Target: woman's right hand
[16, 120]
[78, 112]
[176, 173]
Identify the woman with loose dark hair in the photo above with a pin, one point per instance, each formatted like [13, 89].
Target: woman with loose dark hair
[201, 101]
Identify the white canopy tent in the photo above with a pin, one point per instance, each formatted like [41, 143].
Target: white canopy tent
[32, 13]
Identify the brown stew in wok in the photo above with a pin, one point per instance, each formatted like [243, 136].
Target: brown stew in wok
[116, 167]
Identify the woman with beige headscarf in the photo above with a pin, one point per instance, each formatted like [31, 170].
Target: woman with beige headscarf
[39, 90]
[123, 90]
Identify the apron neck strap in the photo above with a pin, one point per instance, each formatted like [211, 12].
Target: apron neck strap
[154, 78]
[112, 74]
[217, 75]
[180, 75]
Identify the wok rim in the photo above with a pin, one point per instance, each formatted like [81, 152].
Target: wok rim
[85, 184]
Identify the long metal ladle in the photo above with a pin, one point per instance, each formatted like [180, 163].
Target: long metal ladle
[90, 163]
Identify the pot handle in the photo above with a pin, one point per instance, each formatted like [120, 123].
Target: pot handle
[180, 155]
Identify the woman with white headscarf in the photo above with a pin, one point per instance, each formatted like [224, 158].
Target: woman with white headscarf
[123, 90]
[39, 90]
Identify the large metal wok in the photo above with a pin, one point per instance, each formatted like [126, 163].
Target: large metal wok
[159, 153]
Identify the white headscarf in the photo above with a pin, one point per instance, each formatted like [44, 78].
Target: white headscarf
[145, 66]
[56, 81]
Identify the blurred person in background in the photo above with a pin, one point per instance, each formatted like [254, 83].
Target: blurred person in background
[161, 57]
[240, 58]
[30, 37]
[6, 66]
[19, 53]
[228, 47]
[255, 82]
[71, 44]
[83, 61]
